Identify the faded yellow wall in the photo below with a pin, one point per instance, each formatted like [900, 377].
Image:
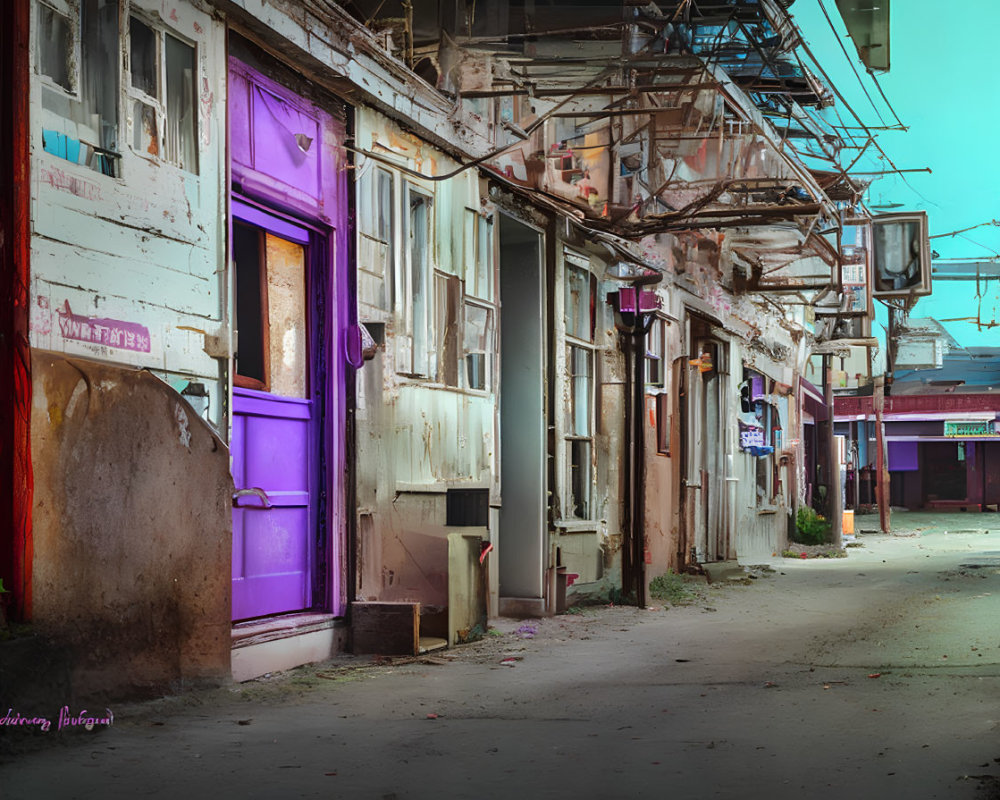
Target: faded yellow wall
[132, 530]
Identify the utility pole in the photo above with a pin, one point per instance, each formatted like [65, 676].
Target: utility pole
[881, 462]
[882, 493]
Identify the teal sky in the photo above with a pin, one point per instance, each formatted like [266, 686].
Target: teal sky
[943, 85]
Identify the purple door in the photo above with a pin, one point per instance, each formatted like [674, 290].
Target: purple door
[293, 305]
[271, 543]
[273, 437]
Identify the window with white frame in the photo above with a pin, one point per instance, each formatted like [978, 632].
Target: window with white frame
[478, 255]
[76, 59]
[580, 293]
[162, 94]
[448, 310]
[57, 45]
[478, 346]
[657, 380]
[414, 300]
[656, 354]
[376, 226]
[580, 436]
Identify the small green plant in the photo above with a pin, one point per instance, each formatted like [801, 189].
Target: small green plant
[670, 588]
[810, 527]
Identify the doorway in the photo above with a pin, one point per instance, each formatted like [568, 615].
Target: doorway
[705, 430]
[945, 475]
[274, 431]
[523, 527]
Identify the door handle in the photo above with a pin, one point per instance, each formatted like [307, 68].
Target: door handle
[247, 492]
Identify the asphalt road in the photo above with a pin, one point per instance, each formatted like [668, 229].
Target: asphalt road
[871, 676]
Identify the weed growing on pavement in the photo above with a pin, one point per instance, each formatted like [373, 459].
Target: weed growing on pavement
[670, 588]
[829, 553]
[810, 527]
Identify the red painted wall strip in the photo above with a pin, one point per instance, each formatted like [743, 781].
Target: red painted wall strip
[16, 486]
[917, 403]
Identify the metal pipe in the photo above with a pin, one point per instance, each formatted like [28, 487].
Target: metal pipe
[834, 510]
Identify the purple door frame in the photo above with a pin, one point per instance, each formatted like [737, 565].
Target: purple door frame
[287, 158]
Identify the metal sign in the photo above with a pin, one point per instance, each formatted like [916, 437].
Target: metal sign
[963, 429]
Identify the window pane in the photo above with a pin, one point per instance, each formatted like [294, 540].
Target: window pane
[142, 58]
[655, 354]
[383, 209]
[97, 121]
[478, 255]
[477, 345]
[55, 45]
[145, 137]
[383, 227]
[419, 243]
[579, 479]
[365, 189]
[181, 134]
[286, 316]
[484, 260]
[663, 423]
[469, 249]
[762, 469]
[581, 382]
[448, 291]
[248, 255]
[578, 302]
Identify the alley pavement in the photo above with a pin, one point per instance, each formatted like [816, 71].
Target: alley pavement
[876, 675]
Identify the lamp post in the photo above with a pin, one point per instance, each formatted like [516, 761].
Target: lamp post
[634, 308]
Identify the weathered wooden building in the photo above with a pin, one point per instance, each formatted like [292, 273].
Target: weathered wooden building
[693, 223]
[421, 314]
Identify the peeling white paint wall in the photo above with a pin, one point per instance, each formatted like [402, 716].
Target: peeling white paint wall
[418, 436]
[146, 249]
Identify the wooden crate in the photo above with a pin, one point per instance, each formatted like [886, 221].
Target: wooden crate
[391, 629]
